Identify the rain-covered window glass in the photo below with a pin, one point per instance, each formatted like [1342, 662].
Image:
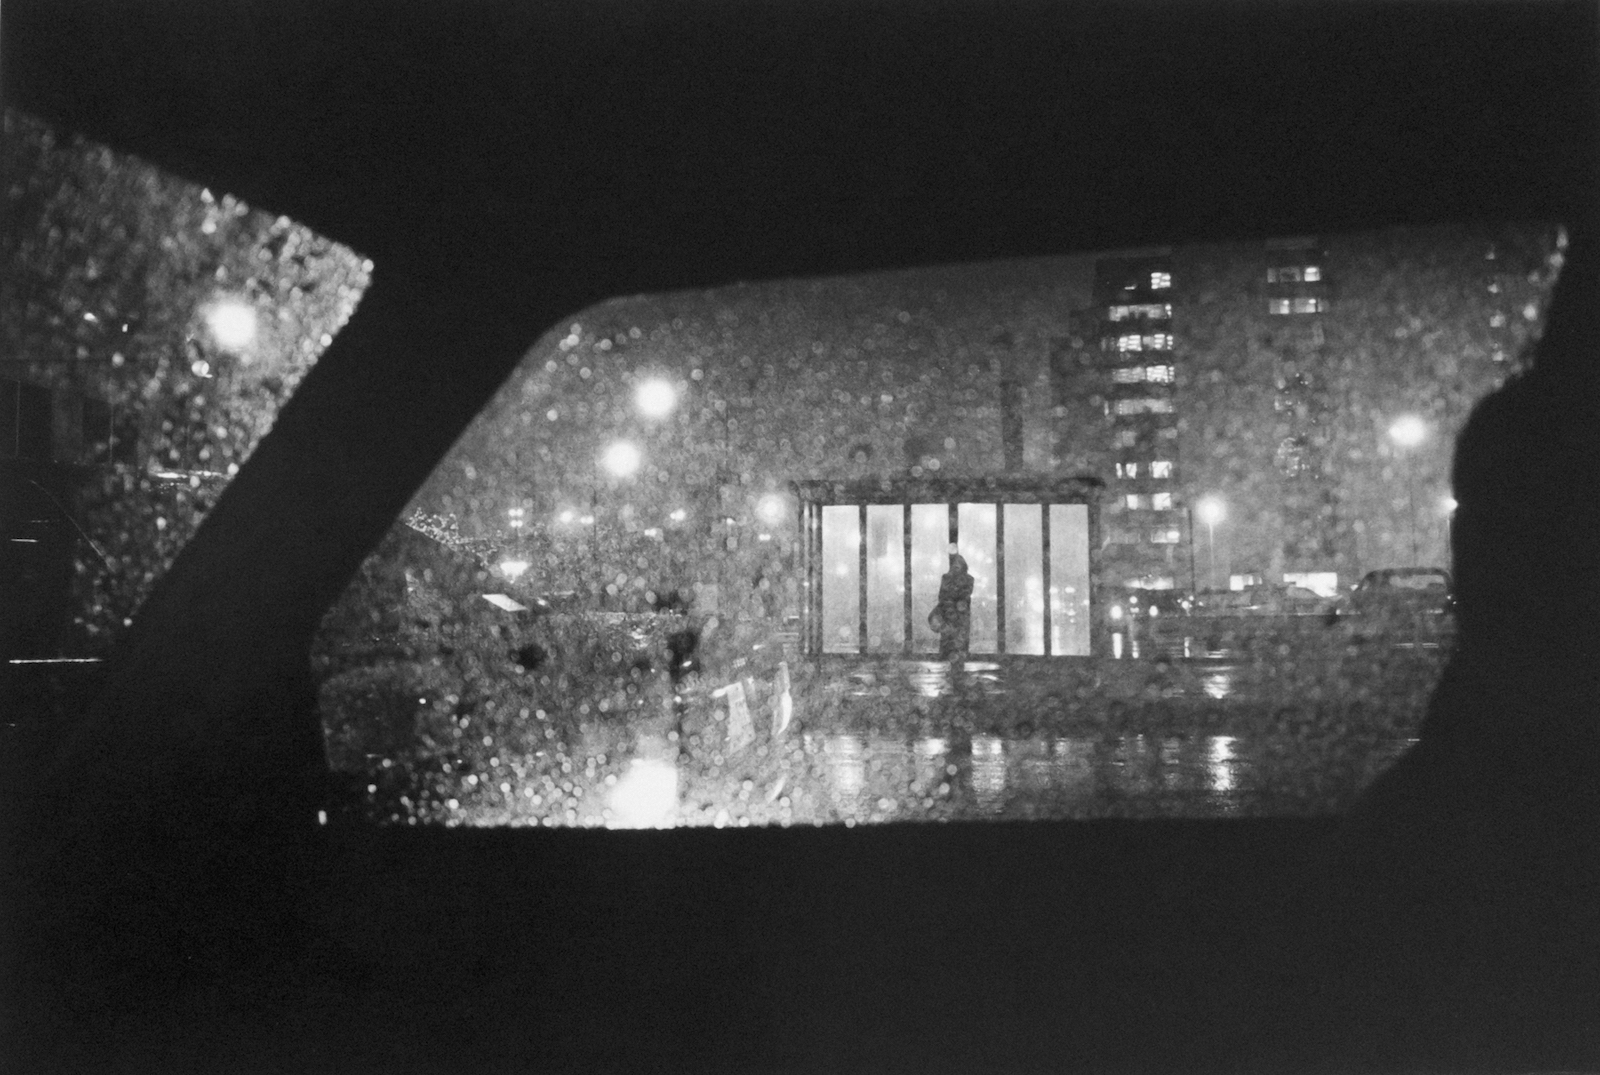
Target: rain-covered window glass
[886, 580]
[975, 542]
[841, 578]
[613, 605]
[1069, 579]
[150, 330]
[663, 579]
[1024, 578]
[930, 542]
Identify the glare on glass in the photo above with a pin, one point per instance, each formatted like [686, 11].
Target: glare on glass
[232, 323]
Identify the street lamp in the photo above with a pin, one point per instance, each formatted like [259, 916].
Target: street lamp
[515, 563]
[1408, 431]
[622, 459]
[232, 322]
[655, 397]
[1212, 511]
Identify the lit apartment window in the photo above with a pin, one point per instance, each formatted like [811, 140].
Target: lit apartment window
[1160, 341]
[1153, 310]
[1161, 501]
[1128, 375]
[1158, 374]
[1127, 438]
[1160, 281]
[1129, 343]
[1285, 274]
[1136, 501]
[1313, 274]
[1308, 305]
[1165, 535]
[1161, 468]
[1127, 470]
[1278, 306]
[1170, 432]
[1144, 406]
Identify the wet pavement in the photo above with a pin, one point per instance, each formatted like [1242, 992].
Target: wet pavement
[920, 741]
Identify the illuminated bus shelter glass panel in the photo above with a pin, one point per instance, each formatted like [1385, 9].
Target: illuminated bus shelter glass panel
[930, 559]
[975, 541]
[1069, 580]
[886, 577]
[841, 578]
[1024, 577]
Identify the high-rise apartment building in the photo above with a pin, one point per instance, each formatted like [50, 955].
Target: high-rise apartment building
[1125, 352]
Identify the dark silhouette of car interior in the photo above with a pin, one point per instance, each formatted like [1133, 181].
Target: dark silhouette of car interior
[172, 902]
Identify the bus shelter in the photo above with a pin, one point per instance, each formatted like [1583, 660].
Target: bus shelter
[873, 553]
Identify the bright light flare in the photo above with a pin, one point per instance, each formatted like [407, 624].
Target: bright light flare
[655, 398]
[1211, 511]
[646, 796]
[772, 508]
[513, 569]
[232, 323]
[1408, 431]
[623, 459]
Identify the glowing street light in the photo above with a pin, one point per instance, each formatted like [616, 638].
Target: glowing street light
[771, 509]
[655, 398]
[622, 459]
[1408, 431]
[232, 323]
[1212, 511]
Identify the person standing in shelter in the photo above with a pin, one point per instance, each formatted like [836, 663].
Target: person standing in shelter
[952, 613]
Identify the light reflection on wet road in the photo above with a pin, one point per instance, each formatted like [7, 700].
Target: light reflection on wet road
[914, 741]
[856, 779]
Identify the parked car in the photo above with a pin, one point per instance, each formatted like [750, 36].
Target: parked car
[1232, 623]
[1404, 606]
